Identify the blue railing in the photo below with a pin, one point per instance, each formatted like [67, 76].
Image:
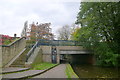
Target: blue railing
[59, 42]
[31, 51]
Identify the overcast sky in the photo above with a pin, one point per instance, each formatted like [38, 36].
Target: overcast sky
[13, 14]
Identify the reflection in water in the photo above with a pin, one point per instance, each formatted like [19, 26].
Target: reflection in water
[89, 71]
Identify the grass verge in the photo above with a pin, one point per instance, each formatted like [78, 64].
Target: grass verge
[43, 66]
[69, 72]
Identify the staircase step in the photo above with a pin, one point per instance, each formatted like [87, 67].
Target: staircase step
[13, 69]
[17, 66]
[22, 64]
[19, 62]
[21, 59]
[22, 74]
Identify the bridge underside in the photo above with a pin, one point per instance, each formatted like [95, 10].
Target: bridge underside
[74, 52]
[77, 58]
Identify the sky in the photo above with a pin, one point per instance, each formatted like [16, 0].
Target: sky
[13, 14]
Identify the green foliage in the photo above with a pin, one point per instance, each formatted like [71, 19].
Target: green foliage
[30, 42]
[69, 72]
[105, 55]
[6, 42]
[100, 30]
[43, 66]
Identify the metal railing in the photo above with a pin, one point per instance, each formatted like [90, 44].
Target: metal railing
[31, 51]
[59, 42]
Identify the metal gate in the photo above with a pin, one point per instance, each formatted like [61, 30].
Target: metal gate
[54, 54]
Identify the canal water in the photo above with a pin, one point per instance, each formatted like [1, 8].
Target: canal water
[89, 71]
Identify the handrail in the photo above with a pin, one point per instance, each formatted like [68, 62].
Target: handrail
[31, 51]
[59, 42]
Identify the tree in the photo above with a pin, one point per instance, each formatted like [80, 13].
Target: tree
[41, 31]
[100, 30]
[64, 33]
[24, 31]
[74, 30]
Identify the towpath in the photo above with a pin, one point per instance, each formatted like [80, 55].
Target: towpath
[57, 72]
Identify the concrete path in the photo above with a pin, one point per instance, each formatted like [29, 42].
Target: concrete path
[22, 74]
[57, 72]
[13, 69]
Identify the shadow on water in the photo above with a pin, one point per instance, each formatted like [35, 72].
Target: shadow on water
[82, 65]
[90, 71]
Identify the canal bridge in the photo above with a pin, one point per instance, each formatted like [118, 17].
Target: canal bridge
[62, 51]
[55, 51]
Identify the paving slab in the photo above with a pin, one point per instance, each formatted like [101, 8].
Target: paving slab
[56, 72]
[13, 69]
[22, 74]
